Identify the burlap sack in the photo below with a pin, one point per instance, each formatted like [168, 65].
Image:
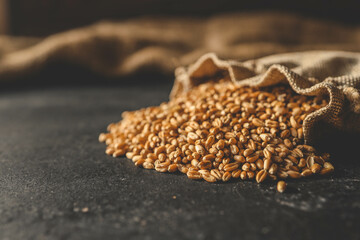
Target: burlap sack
[334, 73]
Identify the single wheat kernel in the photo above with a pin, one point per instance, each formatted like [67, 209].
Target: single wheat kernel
[306, 173]
[231, 167]
[148, 165]
[315, 168]
[208, 177]
[110, 151]
[226, 176]
[250, 174]
[328, 165]
[281, 186]
[261, 176]
[236, 173]
[325, 171]
[294, 174]
[192, 174]
[216, 173]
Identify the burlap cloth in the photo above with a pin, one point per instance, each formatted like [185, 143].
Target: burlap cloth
[165, 44]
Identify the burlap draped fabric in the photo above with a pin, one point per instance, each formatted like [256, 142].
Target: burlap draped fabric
[162, 44]
[334, 73]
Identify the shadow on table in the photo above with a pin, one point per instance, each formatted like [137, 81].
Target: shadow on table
[67, 75]
[343, 146]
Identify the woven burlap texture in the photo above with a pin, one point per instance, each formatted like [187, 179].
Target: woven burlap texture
[162, 44]
[312, 73]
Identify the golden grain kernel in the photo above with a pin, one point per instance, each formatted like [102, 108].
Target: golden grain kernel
[328, 165]
[140, 162]
[325, 171]
[194, 162]
[297, 153]
[250, 174]
[220, 144]
[148, 165]
[273, 168]
[232, 141]
[200, 149]
[252, 158]
[267, 164]
[231, 167]
[162, 157]
[259, 164]
[293, 122]
[217, 123]
[246, 167]
[315, 168]
[252, 144]
[239, 158]
[193, 136]
[248, 152]
[236, 173]
[281, 186]
[196, 155]
[257, 122]
[192, 174]
[282, 174]
[293, 159]
[109, 151]
[170, 149]
[208, 157]
[253, 167]
[285, 134]
[103, 137]
[182, 168]
[267, 154]
[150, 160]
[319, 160]
[161, 168]
[302, 163]
[136, 158]
[243, 175]
[203, 171]
[172, 168]
[109, 141]
[234, 149]
[208, 177]
[307, 172]
[271, 123]
[159, 150]
[288, 143]
[209, 141]
[265, 137]
[310, 161]
[293, 174]
[261, 176]
[226, 176]
[205, 164]
[216, 173]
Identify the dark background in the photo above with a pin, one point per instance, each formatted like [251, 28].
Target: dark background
[43, 17]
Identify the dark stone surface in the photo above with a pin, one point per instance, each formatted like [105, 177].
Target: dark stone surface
[53, 169]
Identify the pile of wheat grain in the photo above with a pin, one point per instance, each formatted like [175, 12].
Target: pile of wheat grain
[219, 131]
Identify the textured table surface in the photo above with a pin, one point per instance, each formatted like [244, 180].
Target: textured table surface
[57, 183]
